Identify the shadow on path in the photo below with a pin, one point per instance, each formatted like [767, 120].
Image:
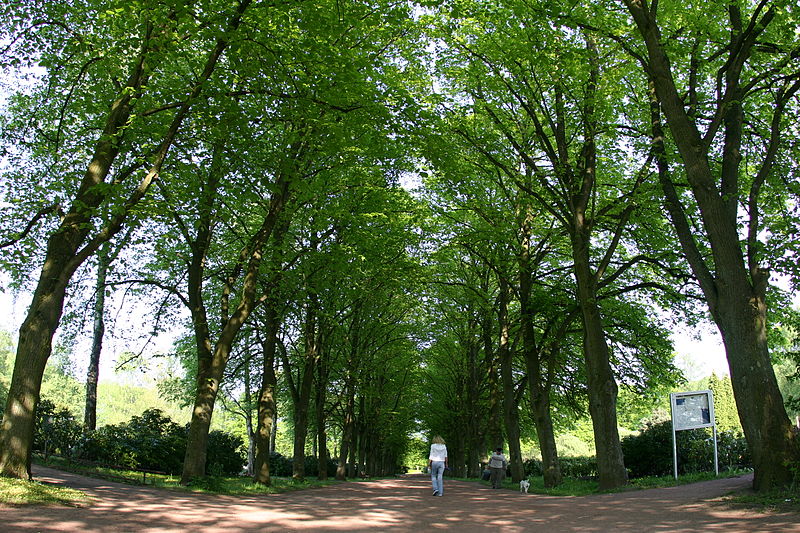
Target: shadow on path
[402, 504]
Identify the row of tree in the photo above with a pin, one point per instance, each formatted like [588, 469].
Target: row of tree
[243, 161]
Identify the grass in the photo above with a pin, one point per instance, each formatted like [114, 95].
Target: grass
[19, 492]
[776, 500]
[211, 484]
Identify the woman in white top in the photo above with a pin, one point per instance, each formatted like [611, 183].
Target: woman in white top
[437, 462]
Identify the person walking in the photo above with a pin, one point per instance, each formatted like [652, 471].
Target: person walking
[497, 464]
[437, 462]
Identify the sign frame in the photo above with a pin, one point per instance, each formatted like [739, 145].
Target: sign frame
[692, 410]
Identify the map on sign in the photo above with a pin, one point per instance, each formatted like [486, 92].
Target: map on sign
[692, 410]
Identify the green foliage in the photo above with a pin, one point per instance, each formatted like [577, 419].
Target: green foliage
[60, 386]
[150, 441]
[56, 429]
[650, 452]
[281, 466]
[6, 364]
[153, 441]
[725, 413]
[578, 467]
[225, 453]
[118, 402]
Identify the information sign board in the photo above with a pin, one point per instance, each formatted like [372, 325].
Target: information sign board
[692, 410]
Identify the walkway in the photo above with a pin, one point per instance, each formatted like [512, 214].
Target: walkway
[403, 504]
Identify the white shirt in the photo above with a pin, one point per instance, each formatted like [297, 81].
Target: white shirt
[438, 452]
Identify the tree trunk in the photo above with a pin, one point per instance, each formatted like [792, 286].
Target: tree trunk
[539, 388]
[249, 426]
[99, 328]
[302, 397]
[474, 446]
[266, 397]
[494, 425]
[510, 406]
[62, 258]
[601, 382]
[211, 366]
[322, 435]
[347, 432]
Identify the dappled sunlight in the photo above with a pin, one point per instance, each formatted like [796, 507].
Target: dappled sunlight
[402, 504]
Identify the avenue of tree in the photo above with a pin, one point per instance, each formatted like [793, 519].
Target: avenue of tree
[583, 179]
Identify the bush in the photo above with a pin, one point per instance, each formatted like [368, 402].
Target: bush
[225, 454]
[279, 465]
[533, 468]
[282, 466]
[577, 467]
[733, 451]
[311, 466]
[56, 431]
[153, 441]
[650, 452]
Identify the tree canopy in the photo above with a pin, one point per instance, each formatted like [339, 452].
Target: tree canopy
[376, 221]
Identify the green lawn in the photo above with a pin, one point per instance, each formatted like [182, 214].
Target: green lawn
[211, 484]
[19, 492]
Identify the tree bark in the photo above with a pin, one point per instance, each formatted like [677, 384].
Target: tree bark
[98, 331]
[267, 404]
[302, 394]
[510, 405]
[539, 391]
[494, 388]
[319, 400]
[266, 396]
[211, 367]
[602, 384]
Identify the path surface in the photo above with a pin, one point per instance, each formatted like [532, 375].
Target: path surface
[403, 504]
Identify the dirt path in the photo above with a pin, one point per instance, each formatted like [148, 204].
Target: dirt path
[403, 504]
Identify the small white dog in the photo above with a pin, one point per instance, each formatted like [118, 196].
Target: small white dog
[524, 485]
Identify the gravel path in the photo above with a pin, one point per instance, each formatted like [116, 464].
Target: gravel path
[402, 504]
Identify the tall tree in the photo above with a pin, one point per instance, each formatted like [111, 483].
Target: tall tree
[155, 30]
[725, 82]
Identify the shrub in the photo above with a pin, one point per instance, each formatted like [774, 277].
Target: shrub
[311, 467]
[279, 465]
[153, 441]
[56, 430]
[578, 467]
[650, 452]
[533, 467]
[733, 451]
[225, 454]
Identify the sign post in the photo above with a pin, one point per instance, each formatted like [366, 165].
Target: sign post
[692, 410]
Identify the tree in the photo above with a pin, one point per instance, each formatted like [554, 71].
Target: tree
[155, 30]
[545, 117]
[734, 64]
[724, 404]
